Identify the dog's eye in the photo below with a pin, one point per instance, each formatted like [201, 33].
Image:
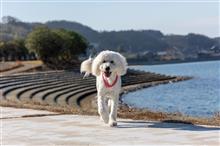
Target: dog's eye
[104, 61]
[112, 62]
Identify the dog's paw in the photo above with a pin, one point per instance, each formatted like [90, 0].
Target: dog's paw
[112, 123]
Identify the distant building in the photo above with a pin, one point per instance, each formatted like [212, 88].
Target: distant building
[161, 53]
[216, 49]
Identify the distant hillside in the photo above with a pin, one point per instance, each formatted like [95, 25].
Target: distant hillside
[85, 31]
[133, 43]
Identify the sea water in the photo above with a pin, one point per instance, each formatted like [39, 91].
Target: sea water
[198, 97]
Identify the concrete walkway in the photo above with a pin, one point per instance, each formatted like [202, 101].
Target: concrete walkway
[27, 66]
[33, 127]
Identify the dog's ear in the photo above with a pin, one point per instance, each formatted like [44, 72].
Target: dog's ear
[122, 62]
[95, 65]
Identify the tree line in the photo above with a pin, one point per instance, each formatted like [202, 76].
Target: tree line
[55, 47]
[135, 44]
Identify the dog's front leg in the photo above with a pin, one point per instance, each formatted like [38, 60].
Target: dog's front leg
[102, 109]
[113, 113]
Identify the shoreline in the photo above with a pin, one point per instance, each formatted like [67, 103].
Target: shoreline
[144, 114]
[142, 62]
[88, 106]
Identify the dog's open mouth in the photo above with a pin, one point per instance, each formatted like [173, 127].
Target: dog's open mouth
[107, 74]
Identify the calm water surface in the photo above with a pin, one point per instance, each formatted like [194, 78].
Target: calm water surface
[199, 96]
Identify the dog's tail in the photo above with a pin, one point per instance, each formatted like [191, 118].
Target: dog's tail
[86, 66]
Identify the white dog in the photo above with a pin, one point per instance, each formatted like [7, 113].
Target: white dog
[108, 67]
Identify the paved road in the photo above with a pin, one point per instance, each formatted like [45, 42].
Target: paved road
[33, 127]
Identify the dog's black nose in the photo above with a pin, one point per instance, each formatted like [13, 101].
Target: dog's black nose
[107, 68]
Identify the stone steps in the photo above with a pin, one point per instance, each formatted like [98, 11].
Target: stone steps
[28, 75]
[62, 88]
[37, 77]
[50, 96]
[72, 96]
[38, 83]
[33, 81]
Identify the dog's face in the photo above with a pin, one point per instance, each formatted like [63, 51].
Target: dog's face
[108, 66]
[108, 63]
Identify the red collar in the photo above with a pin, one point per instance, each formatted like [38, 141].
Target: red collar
[107, 85]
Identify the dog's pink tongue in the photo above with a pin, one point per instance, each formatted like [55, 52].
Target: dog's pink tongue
[107, 74]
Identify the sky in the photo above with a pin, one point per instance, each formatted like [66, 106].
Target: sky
[168, 16]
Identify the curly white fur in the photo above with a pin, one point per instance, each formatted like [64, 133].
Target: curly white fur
[86, 67]
[108, 66]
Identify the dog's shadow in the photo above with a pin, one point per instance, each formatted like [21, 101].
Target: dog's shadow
[171, 124]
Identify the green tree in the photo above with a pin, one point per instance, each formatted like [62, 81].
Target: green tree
[56, 48]
[73, 44]
[19, 47]
[45, 43]
[14, 49]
